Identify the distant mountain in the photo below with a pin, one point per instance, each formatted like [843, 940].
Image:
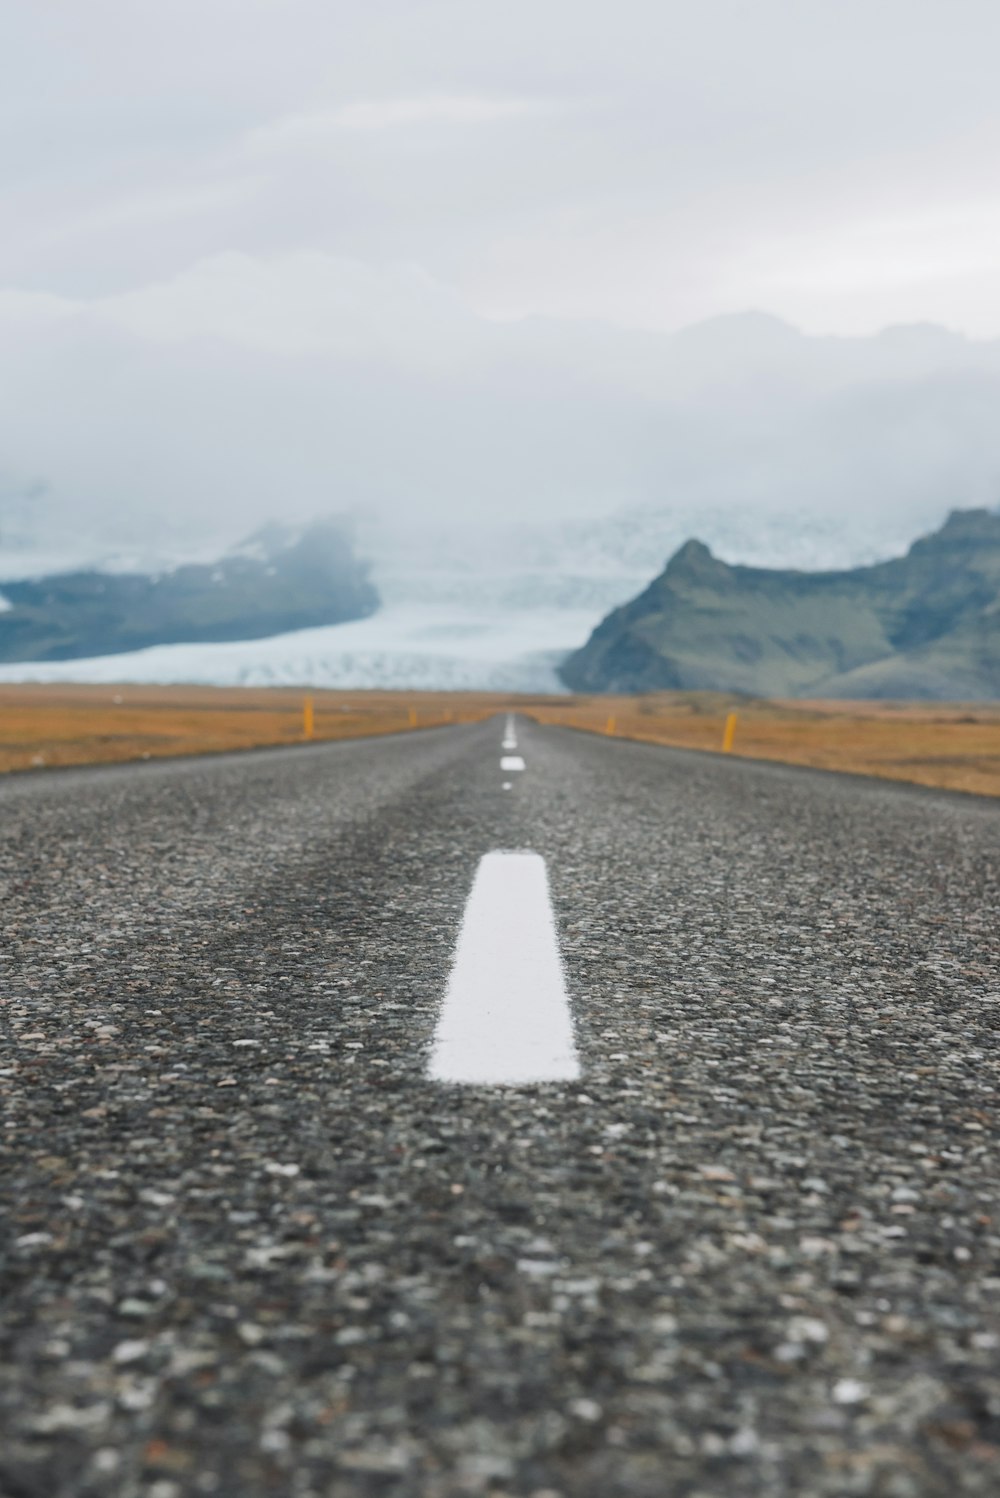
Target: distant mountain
[279, 580]
[926, 625]
[463, 607]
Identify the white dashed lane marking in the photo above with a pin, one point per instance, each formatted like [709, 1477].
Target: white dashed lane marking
[511, 762]
[505, 1019]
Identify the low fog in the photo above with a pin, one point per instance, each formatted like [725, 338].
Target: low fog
[247, 390]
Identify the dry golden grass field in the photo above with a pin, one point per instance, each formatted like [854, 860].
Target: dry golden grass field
[956, 746]
[953, 746]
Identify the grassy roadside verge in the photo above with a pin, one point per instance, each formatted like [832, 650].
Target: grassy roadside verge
[43, 726]
[949, 746]
[956, 747]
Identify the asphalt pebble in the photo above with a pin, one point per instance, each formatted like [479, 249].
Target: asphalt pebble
[249, 1249]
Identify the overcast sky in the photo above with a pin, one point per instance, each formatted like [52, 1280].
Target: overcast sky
[315, 179]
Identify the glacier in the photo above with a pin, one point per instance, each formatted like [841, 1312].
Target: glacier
[483, 608]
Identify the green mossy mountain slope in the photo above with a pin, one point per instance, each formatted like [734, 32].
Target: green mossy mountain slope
[926, 625]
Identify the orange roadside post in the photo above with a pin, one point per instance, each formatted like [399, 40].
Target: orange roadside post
[729, 734]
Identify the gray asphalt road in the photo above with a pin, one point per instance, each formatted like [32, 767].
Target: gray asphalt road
[250, 1249]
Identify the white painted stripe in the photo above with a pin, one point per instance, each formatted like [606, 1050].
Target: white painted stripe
[511, 762]
[509, 744]
[509, 736]
[506, 1018]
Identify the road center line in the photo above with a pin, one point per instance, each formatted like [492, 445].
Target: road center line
[505, 1019]
[511, 762]
[509, 736]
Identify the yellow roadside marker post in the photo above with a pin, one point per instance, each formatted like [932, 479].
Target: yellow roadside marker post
[729, 734]
[413, 717]
[611, 726]
[307, 717]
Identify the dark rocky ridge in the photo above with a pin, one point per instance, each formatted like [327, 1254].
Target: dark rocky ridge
[926, 625]
[279, 580]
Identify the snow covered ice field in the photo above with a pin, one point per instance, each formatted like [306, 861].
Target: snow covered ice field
[418, 646]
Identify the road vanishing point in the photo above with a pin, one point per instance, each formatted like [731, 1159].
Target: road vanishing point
[497, 1109]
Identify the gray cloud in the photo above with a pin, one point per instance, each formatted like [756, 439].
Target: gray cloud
[645, 160]
[249, 251]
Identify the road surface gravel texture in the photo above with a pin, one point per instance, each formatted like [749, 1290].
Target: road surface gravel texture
[249, 1248]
